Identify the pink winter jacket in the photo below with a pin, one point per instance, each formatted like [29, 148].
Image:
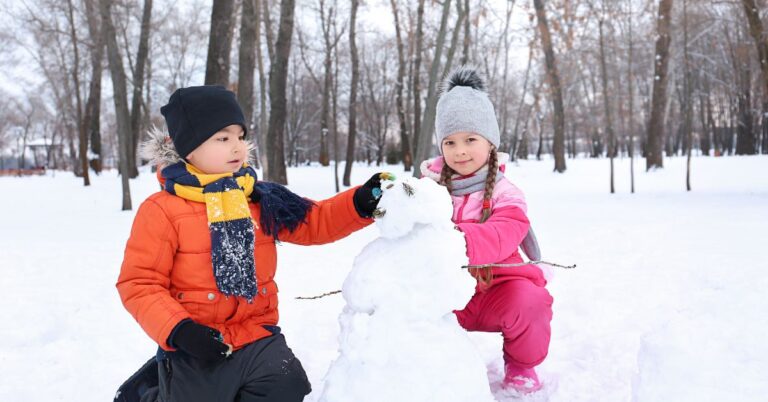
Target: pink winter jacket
[498, 239]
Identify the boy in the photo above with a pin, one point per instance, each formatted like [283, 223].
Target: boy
[200, 261]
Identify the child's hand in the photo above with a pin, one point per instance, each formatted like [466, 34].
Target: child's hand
[366, 197]
[200, 341]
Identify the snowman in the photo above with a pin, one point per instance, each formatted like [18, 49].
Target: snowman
[399, 339]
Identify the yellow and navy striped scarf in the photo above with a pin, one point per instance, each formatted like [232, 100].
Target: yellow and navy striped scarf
[229, 221]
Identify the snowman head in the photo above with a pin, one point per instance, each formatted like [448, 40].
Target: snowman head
[410, 202]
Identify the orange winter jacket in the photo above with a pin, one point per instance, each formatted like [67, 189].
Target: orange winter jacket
[167, 275]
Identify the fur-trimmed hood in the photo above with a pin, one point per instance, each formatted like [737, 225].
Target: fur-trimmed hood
[159, 149]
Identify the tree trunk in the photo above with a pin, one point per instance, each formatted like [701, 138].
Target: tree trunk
[761, 43]
[688, 90]
[523, 149]
[261, 138]
[540, 147]
[138, 85]
[120, 97]
[606, 102]
[405, 148]
[558, 147]
[81, 131]
[630, 80]
[278, 76]
[503, 113]
[424, 142]
[147, 103]
[334, 121]
[93, 105]
[451, 51]
[706, 130]
[352, 132]
[219, 43]
[468, 36]
[269, 34]
[247, 60]
[515, 135]
[325, 117]
[654, 157]
[325, 112]
[745, 133]
[417, 77]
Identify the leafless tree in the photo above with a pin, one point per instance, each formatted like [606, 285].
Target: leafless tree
[761, 44]
[654, 156]
[261, 139]
[278, 76]
[405, 146]
[630, 87]
[92, 118]
[82, 134]
[352, 116]
[139, 74]
[607, 98]
[249, 23]
[120, 97]
[553, 81]
[603, 52]
[416, 75]
[330, 42]
[220, 42]
[423, 145]
[376, 100]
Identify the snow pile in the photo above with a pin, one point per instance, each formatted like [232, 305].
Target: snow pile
[399, 339]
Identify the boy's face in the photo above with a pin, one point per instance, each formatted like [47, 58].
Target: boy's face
[224, 152]
[465, 153]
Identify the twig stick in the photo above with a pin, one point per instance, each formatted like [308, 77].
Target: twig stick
[520, 264]
[463, 267]
[318, 296]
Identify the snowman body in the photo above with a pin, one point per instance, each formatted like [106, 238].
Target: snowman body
[400, 340]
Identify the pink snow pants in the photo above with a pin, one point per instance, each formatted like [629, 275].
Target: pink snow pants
[518, 309]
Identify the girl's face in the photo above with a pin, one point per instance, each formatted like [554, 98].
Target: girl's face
[224, 152]
[466, 153]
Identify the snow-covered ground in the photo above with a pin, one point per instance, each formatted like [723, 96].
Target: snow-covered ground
[665, 303]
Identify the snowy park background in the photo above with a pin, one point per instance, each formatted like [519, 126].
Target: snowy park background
[667, 303]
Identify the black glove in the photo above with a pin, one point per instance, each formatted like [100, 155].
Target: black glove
[200, 341]
[366, 198]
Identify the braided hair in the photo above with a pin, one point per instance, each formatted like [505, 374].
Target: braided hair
[490, 183]
[445, 177]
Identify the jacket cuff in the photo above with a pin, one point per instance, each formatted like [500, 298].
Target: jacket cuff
[468, 241]
[169, 329]
[352, 208]
[175, 329]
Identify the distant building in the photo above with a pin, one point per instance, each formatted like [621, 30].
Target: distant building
[40, 152]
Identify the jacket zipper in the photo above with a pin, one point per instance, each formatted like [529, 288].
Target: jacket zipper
[459, 215]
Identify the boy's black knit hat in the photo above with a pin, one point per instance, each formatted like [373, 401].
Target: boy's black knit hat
[194, 114]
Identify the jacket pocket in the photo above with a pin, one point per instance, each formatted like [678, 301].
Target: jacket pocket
[202, 305]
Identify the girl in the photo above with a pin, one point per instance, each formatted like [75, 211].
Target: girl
[491, 212]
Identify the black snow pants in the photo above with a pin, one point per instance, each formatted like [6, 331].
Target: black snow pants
[263, 371]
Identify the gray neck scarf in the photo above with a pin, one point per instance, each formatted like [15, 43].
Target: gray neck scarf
[463, 185]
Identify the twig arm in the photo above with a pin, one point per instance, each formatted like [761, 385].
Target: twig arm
[520, 264]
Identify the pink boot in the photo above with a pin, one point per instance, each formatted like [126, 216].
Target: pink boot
[522, 380]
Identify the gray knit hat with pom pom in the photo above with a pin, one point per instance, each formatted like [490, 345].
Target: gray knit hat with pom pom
[464, 106]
